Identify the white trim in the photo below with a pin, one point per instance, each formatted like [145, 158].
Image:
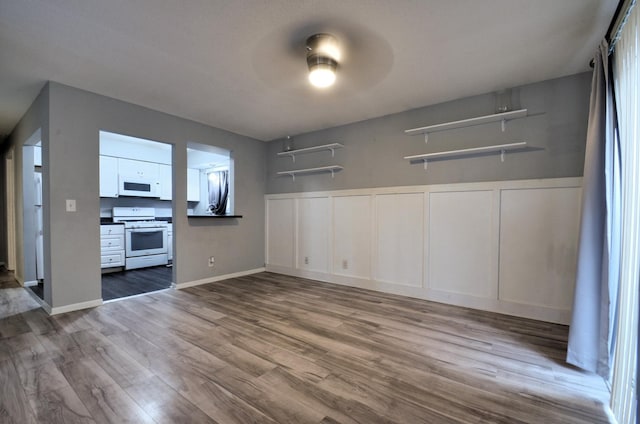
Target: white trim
[187, 284]
[73, 307]
[30, 283]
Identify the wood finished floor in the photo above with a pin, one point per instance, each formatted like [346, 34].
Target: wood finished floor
[276, 349]
[128, 283]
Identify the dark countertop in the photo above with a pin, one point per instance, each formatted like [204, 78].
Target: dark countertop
[214, 216]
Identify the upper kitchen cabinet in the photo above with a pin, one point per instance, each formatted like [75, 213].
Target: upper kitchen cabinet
[166, 189]
[193, 185]
[134, 167]
[138, 169]
[108, 176]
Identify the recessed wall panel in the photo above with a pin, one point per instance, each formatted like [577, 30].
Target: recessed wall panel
[460, 243]
[538, 246]
[399, 245]
[280, 232]
[313, 234]
[352, 236]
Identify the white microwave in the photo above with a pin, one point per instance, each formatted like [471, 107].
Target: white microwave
[136, 186]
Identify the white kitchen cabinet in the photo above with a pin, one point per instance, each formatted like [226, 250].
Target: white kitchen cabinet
[108, 176]
[166, 189]
[111, 246]
[138, 169]
[193, 185]
[170, 242]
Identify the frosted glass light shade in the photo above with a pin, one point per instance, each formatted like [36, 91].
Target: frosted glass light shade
[322, 75]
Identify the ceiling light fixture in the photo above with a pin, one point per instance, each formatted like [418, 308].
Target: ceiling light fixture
[323, 55]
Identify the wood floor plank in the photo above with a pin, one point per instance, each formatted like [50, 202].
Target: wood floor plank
[269, 348]
[60, 406]
[107, 401]
[14, 404]
[165, 405]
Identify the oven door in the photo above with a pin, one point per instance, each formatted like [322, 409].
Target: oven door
[145, 241]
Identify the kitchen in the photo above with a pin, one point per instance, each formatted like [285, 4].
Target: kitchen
[136, 208]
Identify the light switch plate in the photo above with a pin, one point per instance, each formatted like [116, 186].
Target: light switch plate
[71, 205]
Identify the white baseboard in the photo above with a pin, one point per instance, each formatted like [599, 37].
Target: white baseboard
[218, 278]
[30, 283]
[73, 307]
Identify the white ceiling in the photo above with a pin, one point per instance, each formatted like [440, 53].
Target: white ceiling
[240, 65]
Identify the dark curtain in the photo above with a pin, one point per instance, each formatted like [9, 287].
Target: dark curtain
[218, 191]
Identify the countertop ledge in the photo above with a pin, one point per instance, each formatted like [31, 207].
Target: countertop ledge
[215, 216]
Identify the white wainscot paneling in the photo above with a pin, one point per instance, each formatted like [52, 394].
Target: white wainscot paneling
[399, 243]
[280, 232]
[313, 231]
[462, 244]
[352, 236]
[538, 244]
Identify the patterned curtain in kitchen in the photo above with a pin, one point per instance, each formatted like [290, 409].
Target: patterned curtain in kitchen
[218, 191]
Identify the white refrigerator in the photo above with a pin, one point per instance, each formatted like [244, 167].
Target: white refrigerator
[39, 227]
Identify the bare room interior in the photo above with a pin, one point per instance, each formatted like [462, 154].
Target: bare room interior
[413, 211]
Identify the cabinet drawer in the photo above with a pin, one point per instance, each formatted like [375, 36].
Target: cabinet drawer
[112, 243]
[112, 259]
[107, 230]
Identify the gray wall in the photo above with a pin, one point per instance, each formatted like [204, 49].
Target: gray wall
[71, 171]
[374, 149]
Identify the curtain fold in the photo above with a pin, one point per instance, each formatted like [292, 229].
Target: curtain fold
[591, 335]
[218, 192]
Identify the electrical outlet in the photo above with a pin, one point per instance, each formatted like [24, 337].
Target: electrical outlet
[345, 264]
[211, 261]
[306, 260]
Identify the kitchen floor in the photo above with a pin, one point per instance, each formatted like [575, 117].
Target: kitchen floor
[128, 283]
[136, 281]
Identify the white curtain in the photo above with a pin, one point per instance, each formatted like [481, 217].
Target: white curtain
[593, 320]
[626, 66]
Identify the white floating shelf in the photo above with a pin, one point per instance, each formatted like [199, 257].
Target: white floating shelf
[497, 117]
[332, 147]
[502, 148]
[294, 172]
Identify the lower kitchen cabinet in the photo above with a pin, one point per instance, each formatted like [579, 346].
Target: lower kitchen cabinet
[111, 246]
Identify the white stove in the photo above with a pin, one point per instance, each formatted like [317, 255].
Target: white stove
[145, 238]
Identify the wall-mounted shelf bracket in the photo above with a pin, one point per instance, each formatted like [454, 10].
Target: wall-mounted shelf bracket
[331, 147]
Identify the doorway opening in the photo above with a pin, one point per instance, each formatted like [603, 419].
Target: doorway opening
[136, 215]
[33, 271]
